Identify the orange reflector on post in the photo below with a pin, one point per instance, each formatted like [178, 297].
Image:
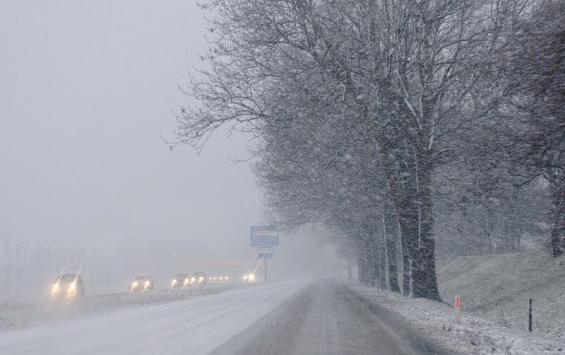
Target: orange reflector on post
[457, 305]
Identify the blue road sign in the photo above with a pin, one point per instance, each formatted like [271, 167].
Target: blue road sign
[264, 236]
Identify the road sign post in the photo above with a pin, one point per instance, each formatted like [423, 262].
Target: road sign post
[264, 238]
[265, 252]
[457, 305]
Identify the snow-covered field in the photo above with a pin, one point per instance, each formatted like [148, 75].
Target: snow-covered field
[498, 287]
[193, 326]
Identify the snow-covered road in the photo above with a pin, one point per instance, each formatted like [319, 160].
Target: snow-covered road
[194, 326]
[292, 317]
[14, 316]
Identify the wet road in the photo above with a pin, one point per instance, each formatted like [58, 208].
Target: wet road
[327, 318]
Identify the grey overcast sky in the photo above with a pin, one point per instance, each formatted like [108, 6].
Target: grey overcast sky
[87, 88]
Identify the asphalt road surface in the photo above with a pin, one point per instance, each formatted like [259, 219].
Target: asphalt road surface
[326, 318]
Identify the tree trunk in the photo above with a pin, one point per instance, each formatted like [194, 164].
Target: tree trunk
[416, 224]
[374, 260]
[410, 184]
[362, 270]
[382, 265]
[424, 272]
[406, 274]
[558, 231]
[390, 233]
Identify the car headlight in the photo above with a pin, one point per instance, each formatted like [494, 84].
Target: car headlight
[251, 277]
[55, 288]
[193, 280]
[147, 284]
[72, 286]
[245, 277]
[134, 284]
[174, 282]
[186, 281]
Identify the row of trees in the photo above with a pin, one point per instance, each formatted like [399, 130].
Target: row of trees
[20, 256]
[379, 117]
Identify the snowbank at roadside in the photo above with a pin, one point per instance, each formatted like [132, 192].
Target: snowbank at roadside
[473, 336]
[498, 287]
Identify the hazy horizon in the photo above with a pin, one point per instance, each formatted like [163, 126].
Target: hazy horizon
[88, 96]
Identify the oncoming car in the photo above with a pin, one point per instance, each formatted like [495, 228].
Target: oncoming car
[219, 279]
[142, 283]
[249, 278]
[199, 278]
[180, 280]
[67, 286]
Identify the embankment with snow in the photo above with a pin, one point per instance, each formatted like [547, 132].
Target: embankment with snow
[498, 288]
[494, 292]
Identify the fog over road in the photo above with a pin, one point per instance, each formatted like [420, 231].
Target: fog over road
[293, 317]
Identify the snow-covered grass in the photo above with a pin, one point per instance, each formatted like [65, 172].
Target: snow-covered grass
[498, 288]
[473, 336]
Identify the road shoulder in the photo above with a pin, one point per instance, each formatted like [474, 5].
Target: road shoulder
[473, 336]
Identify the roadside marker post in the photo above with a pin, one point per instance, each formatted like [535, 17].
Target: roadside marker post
[530, 315]
[457, 305]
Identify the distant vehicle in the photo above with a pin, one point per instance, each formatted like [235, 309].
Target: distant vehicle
[142, 283]
[180, 280]
[249, 278]
[218, 279]
[67, 286]
[199, 278]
